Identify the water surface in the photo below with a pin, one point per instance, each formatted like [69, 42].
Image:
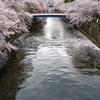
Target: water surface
[55, 62]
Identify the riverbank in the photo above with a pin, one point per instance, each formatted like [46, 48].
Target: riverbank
[15, 40]
[90, 31]
[20, 40]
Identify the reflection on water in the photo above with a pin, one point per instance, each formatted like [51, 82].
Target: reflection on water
[55, 62]
[52, 32]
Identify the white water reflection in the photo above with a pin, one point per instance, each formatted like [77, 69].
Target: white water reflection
[61, 50]
[52, 32]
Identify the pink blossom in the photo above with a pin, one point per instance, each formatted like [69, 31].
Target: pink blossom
[14, 20]
[79, 11]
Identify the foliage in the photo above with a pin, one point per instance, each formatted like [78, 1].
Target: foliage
[65, 1]
[26, 8]
[71, 0]
[99, 22]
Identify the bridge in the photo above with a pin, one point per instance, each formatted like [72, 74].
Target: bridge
[49, 15]
[51, 12]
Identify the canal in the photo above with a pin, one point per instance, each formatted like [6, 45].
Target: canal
[54, 62]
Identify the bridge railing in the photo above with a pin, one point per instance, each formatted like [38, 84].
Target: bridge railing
[48, 11]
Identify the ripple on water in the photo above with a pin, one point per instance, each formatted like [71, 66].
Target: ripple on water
[45, 70]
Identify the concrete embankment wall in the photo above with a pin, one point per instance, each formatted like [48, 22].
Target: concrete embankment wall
[90, 30]
[6, 55]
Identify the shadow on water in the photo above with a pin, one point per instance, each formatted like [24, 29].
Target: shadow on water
[87, 68]
[12, 75]
[37, 28]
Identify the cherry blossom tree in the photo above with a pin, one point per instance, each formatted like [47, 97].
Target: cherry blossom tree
[14, 20]
[58, 3]
[80, 11]
[43, 5]
[39, 5]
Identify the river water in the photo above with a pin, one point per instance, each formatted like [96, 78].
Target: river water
[54, 62]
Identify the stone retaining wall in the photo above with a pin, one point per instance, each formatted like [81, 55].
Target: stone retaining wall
[90, 30]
